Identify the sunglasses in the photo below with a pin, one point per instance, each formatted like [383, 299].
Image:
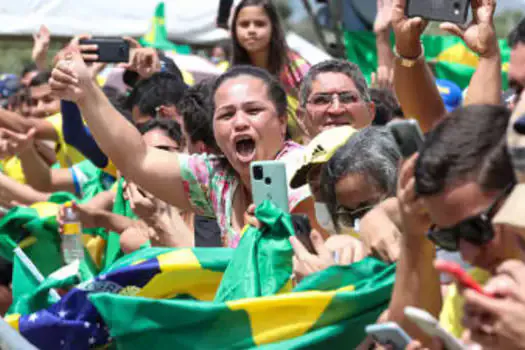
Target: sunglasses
[476, 229]
[347, 218]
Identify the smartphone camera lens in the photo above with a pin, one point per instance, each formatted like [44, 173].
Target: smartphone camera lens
[258, 172]
[268, 181]
[457, 8]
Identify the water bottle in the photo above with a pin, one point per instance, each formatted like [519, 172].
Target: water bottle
[72, 247]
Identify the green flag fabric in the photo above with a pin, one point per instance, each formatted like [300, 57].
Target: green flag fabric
[304, 319]
[453, 60]
[262, 263]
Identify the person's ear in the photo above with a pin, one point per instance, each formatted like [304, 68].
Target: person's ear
[371, 106]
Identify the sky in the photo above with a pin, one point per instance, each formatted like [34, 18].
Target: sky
[299, 12]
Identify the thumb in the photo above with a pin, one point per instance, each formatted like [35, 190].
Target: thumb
[483, 303]
[452, 29]
[417, 23]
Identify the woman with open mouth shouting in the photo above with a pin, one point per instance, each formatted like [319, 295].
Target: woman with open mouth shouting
[249, 125]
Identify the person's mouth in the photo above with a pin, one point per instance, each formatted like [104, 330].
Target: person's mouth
[245, 148]
[333, 123]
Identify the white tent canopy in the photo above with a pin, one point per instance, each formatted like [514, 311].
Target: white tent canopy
[186, 21]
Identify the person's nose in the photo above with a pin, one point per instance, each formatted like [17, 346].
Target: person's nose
[335, 107]
[469, 252]
[240, 121]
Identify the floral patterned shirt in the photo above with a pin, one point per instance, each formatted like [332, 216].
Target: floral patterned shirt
[210, 187]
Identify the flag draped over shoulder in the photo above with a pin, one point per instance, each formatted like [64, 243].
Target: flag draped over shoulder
[453, 60]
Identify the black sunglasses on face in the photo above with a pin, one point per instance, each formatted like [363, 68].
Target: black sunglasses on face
[475, 229]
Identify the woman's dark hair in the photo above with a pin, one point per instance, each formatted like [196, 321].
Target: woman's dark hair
[170, 126]
[197, 113]
[275, 91]
[277, 57]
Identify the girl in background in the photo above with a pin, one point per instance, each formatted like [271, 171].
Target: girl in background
[258, 39]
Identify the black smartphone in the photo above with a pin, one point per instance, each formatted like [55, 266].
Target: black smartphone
[302, 229]
[110, 50]
[408, 136]
[455, 11]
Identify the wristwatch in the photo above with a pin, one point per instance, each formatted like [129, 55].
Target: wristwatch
[409, 62]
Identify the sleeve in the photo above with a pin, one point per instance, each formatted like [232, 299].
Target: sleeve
[77, 134]
[196, 173]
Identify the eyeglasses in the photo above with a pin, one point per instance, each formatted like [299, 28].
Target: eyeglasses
[346, 217]
[325, 99]
[475, 229]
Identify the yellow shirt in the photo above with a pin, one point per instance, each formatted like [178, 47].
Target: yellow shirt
[452, 311]
[67, 155]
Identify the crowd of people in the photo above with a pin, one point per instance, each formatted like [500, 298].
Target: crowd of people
[182, 155]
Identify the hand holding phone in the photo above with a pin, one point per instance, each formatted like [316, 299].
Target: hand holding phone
[108, 50]
[460, 275]
[302, 229]
[269, 182]
[428, 324]
[389, 334]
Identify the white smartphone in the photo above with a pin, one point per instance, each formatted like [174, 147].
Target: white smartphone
[269, 182]
[428, 324]
[389, 334]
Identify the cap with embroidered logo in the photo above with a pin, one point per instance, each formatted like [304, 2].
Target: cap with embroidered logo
[320, 150]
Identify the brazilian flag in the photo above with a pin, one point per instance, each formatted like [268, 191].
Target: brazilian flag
[157, 37]
[453, 60]
[168, 298]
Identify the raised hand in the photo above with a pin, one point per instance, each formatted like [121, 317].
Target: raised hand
[144, 61]
[408, 31]
[41, 42]
[70, 75]
[480, 34]
[383, 78]
[383, 19]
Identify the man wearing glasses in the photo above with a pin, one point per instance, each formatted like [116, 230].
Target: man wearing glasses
[450, 195]
[334, 93]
